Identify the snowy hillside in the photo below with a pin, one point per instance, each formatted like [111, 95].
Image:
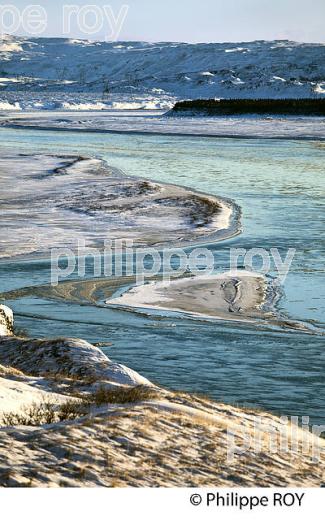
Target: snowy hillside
[153, 74]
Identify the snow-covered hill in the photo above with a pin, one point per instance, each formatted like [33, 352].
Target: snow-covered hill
[154, 74]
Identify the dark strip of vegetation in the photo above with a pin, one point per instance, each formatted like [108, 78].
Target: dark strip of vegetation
[121, 395]
[228, 107]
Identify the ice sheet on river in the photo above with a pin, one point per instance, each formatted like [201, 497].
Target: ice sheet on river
[157, 122]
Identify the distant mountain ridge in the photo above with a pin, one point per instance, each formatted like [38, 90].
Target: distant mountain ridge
[258, 69]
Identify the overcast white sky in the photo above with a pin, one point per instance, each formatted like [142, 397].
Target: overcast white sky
[201, 20]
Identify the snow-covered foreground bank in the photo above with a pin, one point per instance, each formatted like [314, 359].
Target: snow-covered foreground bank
[85, 421]
[160, 71]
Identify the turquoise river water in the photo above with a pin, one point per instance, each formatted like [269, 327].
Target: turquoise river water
[279, 185]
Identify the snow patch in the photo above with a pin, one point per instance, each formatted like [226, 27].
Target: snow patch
[320, 88]
[6, 321]
[278, 78]
[81, 42]
[5, 105]
[9, 80]
[143, 105]
[10, 47]
[84, 106]
[236, 49]
[237, 81]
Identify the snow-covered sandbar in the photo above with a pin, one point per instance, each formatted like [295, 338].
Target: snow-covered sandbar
[230, 295]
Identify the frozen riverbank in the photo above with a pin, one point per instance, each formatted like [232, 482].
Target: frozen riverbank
[155, 122]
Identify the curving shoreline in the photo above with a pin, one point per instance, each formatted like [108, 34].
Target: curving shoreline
[81, 198]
